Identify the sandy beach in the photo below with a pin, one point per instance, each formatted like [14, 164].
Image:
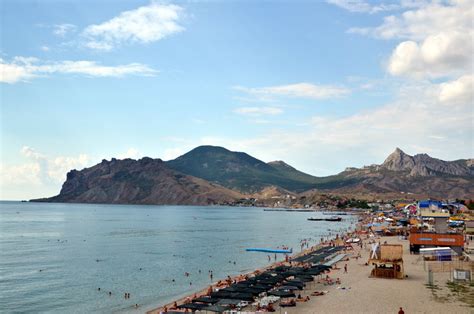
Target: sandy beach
[362, 294]
[358, 293]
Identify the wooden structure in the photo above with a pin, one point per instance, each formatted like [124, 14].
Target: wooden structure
[387, 261]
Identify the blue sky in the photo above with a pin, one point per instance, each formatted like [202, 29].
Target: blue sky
[320, 84]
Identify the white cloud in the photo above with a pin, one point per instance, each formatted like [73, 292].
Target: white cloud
[39, 169]
[258, 111]
[62, 30]
[45, 48]
[425, 20]
[361, 6]
[143, 25]
[59, 166]
[460, 91]
[438, 39]
[441, 55]
[31, 153]
[24, 174]
[24, 69]
[299, 90]
[97, 45]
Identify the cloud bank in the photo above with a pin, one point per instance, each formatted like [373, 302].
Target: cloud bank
[21, 69]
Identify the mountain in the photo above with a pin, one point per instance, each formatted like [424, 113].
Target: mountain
[424, 165]
[215, 175]
[240, 171]
[144, 181]
[419, 174]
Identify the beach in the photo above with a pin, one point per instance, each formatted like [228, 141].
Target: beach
[358, 293]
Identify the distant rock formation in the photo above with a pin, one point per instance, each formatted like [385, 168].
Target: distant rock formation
[144, 181]
[215, 175]
[424, 165]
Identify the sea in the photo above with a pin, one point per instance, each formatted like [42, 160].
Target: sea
[55, 257]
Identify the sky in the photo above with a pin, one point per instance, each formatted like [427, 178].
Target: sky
[322, 85]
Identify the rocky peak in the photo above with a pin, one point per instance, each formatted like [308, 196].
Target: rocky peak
[425, 165]
[398, 161]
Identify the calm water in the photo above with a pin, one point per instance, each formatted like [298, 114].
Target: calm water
[79, 248]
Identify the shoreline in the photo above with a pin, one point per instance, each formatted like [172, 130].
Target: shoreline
[202, 292]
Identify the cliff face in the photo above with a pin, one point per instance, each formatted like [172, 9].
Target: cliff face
[144, 181]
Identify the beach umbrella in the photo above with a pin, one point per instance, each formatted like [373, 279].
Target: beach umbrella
[282, 294]
[288, 288]
[314, 272]
[216, 308]
[206, 300]
[281, 268]
[192, 306]
[221, 294]
[252, 290]
[241, 296]
[298, 284]
[245, 290]
[262, 287]
[232, 289]
[305, 278]
[228, 302]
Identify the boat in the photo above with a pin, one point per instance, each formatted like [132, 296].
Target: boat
[333, 218]
[269, 250]
[336, 213]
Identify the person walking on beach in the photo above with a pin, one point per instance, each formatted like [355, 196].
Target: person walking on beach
[345, 268]
[401, 311]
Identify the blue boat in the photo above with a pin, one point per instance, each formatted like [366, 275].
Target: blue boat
[269, 250]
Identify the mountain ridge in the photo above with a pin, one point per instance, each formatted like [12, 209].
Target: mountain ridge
[216, 175]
